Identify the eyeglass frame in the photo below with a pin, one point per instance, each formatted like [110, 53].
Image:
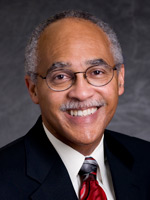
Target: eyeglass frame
[115, 67]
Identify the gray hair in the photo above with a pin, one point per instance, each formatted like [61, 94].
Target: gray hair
[31, 55]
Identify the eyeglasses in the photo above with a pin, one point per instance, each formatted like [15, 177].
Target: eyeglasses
[62, 79]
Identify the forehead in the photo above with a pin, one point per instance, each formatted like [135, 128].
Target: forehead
[73, 39]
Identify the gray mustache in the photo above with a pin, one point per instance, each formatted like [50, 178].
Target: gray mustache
[80, 105]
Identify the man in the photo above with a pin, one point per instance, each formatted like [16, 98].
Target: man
[75, 72]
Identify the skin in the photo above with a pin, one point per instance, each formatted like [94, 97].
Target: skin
[75, 41]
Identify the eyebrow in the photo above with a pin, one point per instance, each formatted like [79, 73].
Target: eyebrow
[58, 65]
[94, 62]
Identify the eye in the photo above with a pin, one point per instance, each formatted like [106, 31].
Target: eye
[97, 72]
[60, 76]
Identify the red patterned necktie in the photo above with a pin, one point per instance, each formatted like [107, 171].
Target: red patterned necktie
[90, 189]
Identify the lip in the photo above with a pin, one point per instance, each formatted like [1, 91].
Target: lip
[78, 120]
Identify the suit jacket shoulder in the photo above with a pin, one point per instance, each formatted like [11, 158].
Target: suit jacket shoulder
[138, 148]
[129, 162]
[30, 168]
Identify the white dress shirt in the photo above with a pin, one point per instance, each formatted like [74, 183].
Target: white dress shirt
[73, 160]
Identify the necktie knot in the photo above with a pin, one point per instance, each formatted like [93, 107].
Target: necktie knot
[88, 169]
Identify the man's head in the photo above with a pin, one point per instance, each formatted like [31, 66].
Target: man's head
[70, 43]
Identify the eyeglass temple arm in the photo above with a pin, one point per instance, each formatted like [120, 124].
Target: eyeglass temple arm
[43, 77]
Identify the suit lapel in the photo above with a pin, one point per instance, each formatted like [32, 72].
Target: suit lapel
[46, 168]
[57, 185]
[122, 167]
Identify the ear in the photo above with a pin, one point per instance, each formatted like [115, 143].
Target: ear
[32, 89]
[121, 77]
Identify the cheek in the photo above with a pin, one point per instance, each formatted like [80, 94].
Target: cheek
[111, 98]
[110, 94]
[50, 101]
[109, 91]
[50, 109]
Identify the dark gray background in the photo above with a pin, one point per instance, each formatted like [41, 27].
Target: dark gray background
[131, 21]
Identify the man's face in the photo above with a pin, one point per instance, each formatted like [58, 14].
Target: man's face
[77, 43]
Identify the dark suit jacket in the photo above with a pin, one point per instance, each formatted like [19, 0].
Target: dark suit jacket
[30, 168]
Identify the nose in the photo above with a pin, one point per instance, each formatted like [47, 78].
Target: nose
[81, 90]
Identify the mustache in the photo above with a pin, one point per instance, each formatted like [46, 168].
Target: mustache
[74, 104]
